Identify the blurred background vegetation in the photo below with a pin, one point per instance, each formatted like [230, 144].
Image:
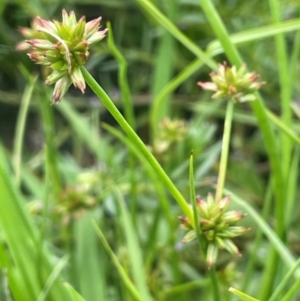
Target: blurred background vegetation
[90, 164]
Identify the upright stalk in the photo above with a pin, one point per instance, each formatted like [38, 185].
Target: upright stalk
[128, 112]
[214, 282]
[265, 127]
[20, 128]
[138, 142]
[285, 88]
[225, 149]
[258, 108]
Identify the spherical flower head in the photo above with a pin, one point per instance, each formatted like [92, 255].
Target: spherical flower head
[63, 47]
[228, 82]
[172, 130]
[74, 203]
[217, 225]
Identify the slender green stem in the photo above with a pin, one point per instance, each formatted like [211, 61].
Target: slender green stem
[294, 59]
[128, 112]
[50, 135]
[258, 109]
[286, 130]
[214, 282]
[185, 287]
[164, 202]
[286, 143]
[122, 78]
[285, 87]
[53, 277]
[125, 278]
[220, 31]
[167, 24]
[267, 201]
[20, 127]
[202, 243]
[241, 295]
[292, 188]
[170, 87]
[271, 268]
[289, 294]
[138, 142]
[225, 149]
[134, 249]
[278, 245]
[284, 282]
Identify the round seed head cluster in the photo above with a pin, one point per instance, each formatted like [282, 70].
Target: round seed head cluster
[63, 47]
[217, 225]
[228, 82]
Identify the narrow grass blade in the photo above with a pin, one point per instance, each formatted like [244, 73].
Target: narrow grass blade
[135, 254]
[281, 287]
[128, 111]
[125, 278]
[83, 130]
[278, 245]
[201, 241]
[225, 149]
[138, 142]
[20, 128]
[270, 140]
[241, 295]
[292, 188]
[122, 78]
[286, 130]
[31, 263]
[285, 145]
[75, 295]
[163, 205]
[34, 185]
[52, 278]
[186, 287]
[251, 264]
[257, 106]
[292, 291]
[165, 58]
[49, 132]
[215, 48]
[263, 32]
[293, 61]
[168, 25]
[285, 87]
[147, 166]
[168, 89]
[89, 260]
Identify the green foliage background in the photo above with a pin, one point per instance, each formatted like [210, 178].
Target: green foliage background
[67, 167]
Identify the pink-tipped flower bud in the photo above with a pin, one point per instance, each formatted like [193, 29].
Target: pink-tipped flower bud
[217, 226]
[232, 83]
[63, 47]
